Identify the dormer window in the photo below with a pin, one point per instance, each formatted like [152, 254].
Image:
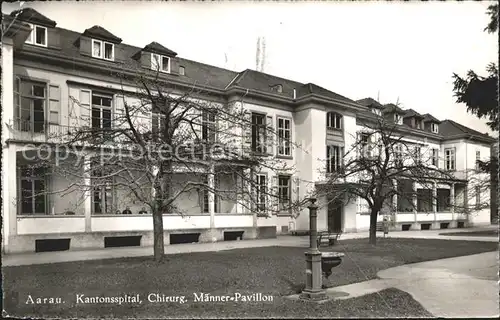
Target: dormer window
[38, 36]
[398, 119]
[434, 128]
[279, 88]
[182, 71]
[160, 63]
[376, 111]
[103, 50]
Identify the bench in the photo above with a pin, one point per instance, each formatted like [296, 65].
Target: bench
[328, 237]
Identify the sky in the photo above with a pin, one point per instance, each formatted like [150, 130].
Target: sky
[402, 52]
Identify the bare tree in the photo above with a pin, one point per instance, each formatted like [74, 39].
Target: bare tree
[383, 163]
[195, 138]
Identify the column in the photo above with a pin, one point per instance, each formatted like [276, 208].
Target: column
[211, 196]
[87, 205]
[414, 200]
[452, 199]
[9, 194]
[9, 172]
[395, 201]
[434, 200]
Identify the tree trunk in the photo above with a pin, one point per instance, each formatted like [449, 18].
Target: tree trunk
[373, 227]
[158, 244]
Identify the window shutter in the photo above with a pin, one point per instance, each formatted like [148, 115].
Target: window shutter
[54, 103]
[246, 130]
[85, 46]
[85, 112]
[269, 135]
[358, 144]
[53, 38]
[341, 161]
[197, 124]
[296, 197]
[273, 204]
[455, 158]
[119, 111]
[17, 99]
[146, 60]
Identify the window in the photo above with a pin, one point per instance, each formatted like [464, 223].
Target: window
[160, 63]
[434, 128]
[418, 154]
[333, 158]
[29, 99]
[364, 145]
[333, 120]
[284, 137]
[96, 49]
[284, 192]
[101, 114]
[434, 157]
[418, 123]
[398, 119]
[38, 36]
[108, 51]
[376, 111]
[103, 50]
[398, 155]
[102, 190]
[206, 195]
[449, 158]
[33, 191]
[258, 133]
[261, 194]
[478, 197]
[208, 129]
[182, 71]
[478, 159]
[158, 124]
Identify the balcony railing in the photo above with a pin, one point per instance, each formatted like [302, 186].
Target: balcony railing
[27, 130]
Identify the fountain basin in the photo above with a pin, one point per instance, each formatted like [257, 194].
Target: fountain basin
[330, 260]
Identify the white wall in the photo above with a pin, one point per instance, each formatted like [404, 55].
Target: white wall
[145, 223]
[232, 221]
[50, 225]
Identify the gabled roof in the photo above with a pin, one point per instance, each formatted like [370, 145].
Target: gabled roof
[370, 103]
[31, 15]
[392, 108]
[155, 47]
[260, 81]
[100, 33]
[412, 113]
[429, 118]
[452, 129]
[199, 73]
[311, 88]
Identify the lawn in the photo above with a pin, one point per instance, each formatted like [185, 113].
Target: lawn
[274, 271]
[481, 233]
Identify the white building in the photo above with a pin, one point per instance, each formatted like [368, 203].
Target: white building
[46, 67]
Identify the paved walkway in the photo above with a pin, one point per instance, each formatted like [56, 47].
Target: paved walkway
[456, 287]
[303, 241]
